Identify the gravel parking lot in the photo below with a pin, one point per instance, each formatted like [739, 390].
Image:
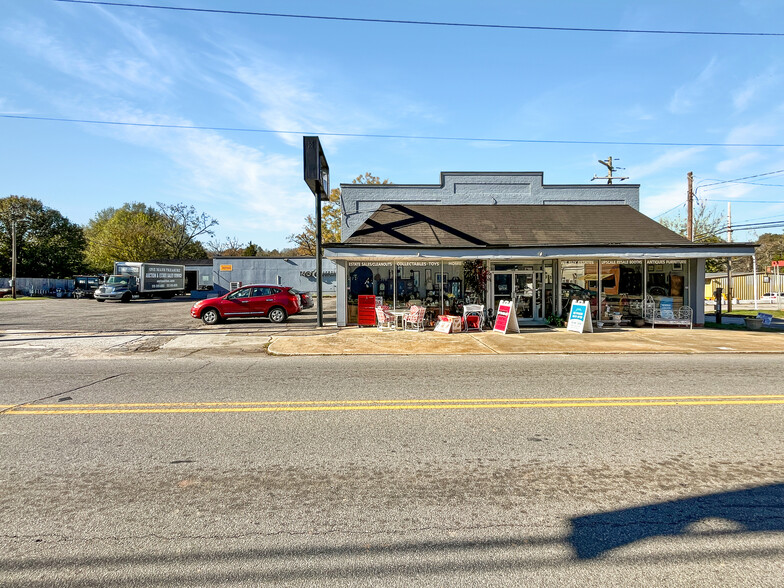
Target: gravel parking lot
[88, 316]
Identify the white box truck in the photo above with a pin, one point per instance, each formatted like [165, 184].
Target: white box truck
[134, 280]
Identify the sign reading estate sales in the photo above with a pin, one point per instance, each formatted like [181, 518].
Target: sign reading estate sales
[580, 317]
[505, 318]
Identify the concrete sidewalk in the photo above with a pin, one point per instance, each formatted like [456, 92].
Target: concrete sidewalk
[370, 341]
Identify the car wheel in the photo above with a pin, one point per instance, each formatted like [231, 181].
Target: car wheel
[211, 316]
[277, 315]
[126, 297]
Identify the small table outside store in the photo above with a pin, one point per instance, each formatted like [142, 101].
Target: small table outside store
[398, 314]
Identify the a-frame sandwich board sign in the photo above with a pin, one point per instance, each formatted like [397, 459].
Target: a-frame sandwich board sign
[580, 317]
[506, 318]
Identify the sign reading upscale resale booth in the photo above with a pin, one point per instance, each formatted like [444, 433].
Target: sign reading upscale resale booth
[505, 318]
[580, 317]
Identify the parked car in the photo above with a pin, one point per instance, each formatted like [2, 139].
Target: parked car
[771, 296]
[569, 290]
[305, 299]
[277, 303]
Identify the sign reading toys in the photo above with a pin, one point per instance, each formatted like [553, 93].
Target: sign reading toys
[506, 319]
[580, 317]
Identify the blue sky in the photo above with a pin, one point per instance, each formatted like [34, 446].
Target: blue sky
[183, 68]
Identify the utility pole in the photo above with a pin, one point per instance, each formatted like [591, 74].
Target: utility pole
[610, 169]
[729, 222]
[690, 207]
[729, 259]
[13, 258]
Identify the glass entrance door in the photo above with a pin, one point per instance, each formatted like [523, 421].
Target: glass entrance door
[524, 288]
[524, 295]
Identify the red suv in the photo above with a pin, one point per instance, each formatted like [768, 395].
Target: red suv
[276, 303]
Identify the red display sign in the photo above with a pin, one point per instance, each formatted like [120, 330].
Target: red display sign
[506, 318]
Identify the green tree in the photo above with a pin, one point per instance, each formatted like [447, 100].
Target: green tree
[305, 241]
[138, 232]
[252, 250]
[708, 224]
[133, 232]
[771, 248]
[48, 245]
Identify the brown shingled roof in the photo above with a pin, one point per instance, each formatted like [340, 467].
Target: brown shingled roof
[511, 225]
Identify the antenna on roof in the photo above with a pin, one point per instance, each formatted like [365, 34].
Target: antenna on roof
[610, 169]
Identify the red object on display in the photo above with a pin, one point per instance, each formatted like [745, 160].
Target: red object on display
[473, 322]
[366, 313]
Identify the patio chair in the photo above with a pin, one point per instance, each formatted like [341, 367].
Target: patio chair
[385, 321]
[414, 319]
[473, 317]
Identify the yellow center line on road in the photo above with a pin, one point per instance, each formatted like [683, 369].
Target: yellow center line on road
[375, 405]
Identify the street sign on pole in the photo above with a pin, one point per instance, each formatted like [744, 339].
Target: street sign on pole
[317, 178]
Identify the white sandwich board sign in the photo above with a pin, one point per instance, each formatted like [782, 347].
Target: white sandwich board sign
[580, 317]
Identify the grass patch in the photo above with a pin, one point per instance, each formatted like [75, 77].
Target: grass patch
[730, 327]
[9, 299]
[752, 313]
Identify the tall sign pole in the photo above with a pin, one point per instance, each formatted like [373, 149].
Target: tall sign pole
[317, 179]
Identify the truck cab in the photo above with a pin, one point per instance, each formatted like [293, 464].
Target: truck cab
[118, 287]
[85, 286]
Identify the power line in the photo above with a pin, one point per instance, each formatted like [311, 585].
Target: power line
[385, 136]
[740, 227]
[717, 182]
[747, 201]
[668, 211]
[427, 22]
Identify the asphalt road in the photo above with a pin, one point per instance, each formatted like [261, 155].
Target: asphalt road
[405, 471]
[59, 315]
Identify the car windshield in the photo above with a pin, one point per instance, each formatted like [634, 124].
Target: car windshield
[117, 280]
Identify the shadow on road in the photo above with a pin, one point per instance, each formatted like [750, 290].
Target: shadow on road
[754, 510]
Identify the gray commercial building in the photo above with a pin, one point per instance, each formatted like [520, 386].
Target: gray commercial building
[479, 237]
[295, 272]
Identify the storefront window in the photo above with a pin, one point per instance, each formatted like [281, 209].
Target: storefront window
[452, 287]
[621, 287]
[416, 283]
[368, 278]
[667, 281]
[579, 282]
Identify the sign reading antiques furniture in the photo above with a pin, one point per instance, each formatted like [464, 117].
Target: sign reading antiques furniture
[580, 317]
[506, 318]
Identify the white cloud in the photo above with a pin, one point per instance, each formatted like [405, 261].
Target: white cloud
[115, 71]
[217, 170]
[686, 96]
[739, 162]
[751, 89]
[674, 158]
[667, 198]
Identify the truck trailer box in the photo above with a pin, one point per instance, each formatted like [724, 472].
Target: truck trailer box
[153, 277]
